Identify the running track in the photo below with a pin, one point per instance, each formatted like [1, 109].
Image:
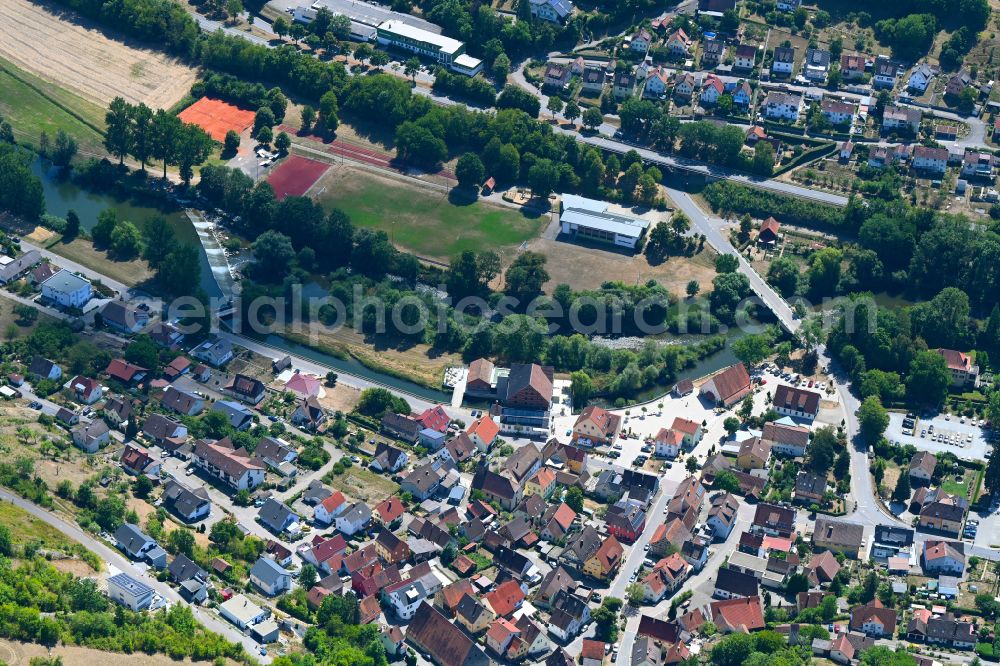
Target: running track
[361, 154]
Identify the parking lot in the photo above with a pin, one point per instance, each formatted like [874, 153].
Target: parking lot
[944, 427]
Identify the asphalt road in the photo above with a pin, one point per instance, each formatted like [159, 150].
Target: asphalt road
[114, 558]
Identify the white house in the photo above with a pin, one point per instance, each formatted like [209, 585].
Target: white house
[327, 510]
[947, 557]
[711, 90]
[746, 57]
[657, 82]
[641, 41]
[555, 11]
[884, 73]
[930, 159]
[67, 290]
[129, 592]
[782, 106]
[406, 598]
[668, 443]
[920, 78]
[354, 518]
[91, 436]
[270, 577]
[242, 612]
[837, 112]
[783, 60]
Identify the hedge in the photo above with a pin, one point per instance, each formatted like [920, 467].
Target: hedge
[732, 197]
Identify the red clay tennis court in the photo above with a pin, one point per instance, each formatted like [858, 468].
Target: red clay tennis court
[217, 117]
[295, 176]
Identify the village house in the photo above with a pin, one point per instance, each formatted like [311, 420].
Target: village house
[783, 61]
[837, 113]
[85, 390]
[816, 65]
[903, 118]
[90, 437]
[678, 44]
[839, 536]
[713, 52]
[553, 11]
[796, 402]
[920, 78]
[930, 160]
[963, 372]
[754, 453]
[728, 386]
[623, 84]
[852, 66]
[596, 427]
[746, 57]
[232, 466]
[884, 72]
[786, 440]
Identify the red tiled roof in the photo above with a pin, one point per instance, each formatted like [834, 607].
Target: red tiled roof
[390, 509]
[505, 598]
[123, 370]
[485, 427]
[744, 614]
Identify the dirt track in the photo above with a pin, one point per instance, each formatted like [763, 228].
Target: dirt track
[82, 59]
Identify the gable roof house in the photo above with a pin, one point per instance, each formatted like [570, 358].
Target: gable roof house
[732, 584]
[91, 436]
[182, 402]
[269, 577]
[722, 515]
[309, 413]
[873, 619]
[137, 460]
[774, 520]
[432, 634]
[596, 427]
[389, 458]
[247, 389]
[786, 440]
[839, 536]
[783, 60]
[215, 351]
[239, 416]
[84, 389]
[190, 504]
[796, 402]
[232, 466]
[738, 615]
[728, 386]
[922, 466]
[496, 487]
[125, 372]
[158, 428]
[277, 516]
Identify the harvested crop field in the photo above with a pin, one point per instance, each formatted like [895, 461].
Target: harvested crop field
[295, 176]
[70, 53]
[217, 117]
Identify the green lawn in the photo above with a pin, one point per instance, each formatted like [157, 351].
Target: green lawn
[424, 221]
[33, 105]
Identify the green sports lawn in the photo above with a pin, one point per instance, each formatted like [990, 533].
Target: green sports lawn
[32, 105]
[424, 221]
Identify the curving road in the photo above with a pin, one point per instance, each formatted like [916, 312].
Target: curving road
[114, 558]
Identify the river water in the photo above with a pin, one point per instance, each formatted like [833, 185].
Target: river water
[63, 195]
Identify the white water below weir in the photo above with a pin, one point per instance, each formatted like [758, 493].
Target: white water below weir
[217, 261]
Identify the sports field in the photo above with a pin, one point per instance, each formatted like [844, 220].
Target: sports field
[295, 175]
[217, 117]
[422, 219]
[32, 106]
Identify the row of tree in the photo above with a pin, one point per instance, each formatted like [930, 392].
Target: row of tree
[136, 131]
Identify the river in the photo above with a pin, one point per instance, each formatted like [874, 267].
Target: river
[63, 195]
